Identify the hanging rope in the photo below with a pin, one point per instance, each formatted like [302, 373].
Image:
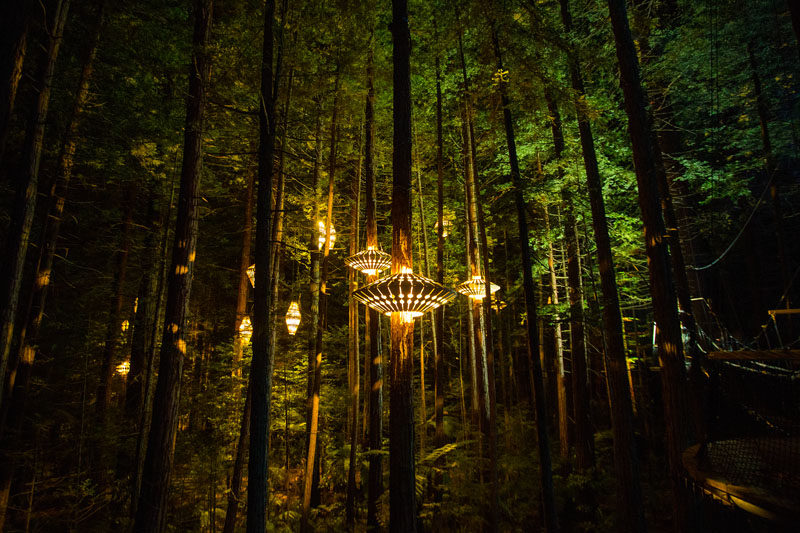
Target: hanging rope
[741, 231]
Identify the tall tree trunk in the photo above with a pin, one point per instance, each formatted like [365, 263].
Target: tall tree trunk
[29, 335]
[372, 325]
[16, 246]
[113, 324]
[558, 347]
[402, 480]
[151, 509]
[438, 362]
[661, 287]
[311, 479]
[545, 462]
[626, 464]
[353, 358]
[14, 24]
[261, 365]
[244, 264]
[235, 494]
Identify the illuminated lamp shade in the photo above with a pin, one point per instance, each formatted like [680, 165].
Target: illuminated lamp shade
[369, 261]
[475, 288]
[321, 239]
[497, 303]
[445, 224]
[125, 325]
[293, 318]
[246, 329]
[405, 293]
[123, 368]
[251, 274]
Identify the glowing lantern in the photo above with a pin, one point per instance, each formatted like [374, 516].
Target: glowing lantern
[246, 329]
[293, 318]
[445, 225]
[370, 261]
[497, 303]
[135, 305]
[475, 288]
[123, 368]
[251, 274]
[405, 293]
[125, 325]
[322, 234]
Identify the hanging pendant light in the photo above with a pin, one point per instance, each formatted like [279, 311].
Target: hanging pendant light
[125, 325]
[293, 318]
[322, 235]
[251, 274]
[497, 303]
[405, 293]
[445, 227]
[246, 329]
[369, 261]
[475, 288]
[123, 368]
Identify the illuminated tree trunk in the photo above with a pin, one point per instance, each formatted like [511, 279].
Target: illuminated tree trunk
[402, 481]
[261, 365]
[372, 325]
[14, 22]
[353, 347]
[113, 324]
[438, 362]
[151, 509]
[244, 282]
[27, 178]
[661, 287]
[545, 463]
[312, 458]
[626, 464]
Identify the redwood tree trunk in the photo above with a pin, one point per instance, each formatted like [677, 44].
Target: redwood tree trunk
[661, 288]
[244, 264]
[25, 200]
[545, 462]
[151, 509]
[402, 481]
[626, 464]
[14, 22]
[261, 365]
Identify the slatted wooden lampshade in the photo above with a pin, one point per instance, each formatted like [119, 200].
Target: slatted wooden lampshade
[251, 274]
[322, 235]
[246, 329]
[475, 288]
[406, 293]
[369, 261]
[123, 368]
[293, 318]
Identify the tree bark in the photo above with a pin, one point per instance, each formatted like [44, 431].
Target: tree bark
[372, 324]
[545, 462]
[661, 288]
[438, 362]
[244, 264]
[626, 464]
[18, 235]
[402, 480]
[14, 23]
[312, 458]
[151, 509]
[353, 357]
[261, 365]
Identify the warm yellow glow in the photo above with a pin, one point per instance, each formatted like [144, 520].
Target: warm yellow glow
[125, 325]
[407, 316]
[293, 318]
[369, 261]
[405, 270]
[445, 225]
[135, 305]
[246, 329]
[123, 368]
[475, 288]
[322, 234]
[251, 274]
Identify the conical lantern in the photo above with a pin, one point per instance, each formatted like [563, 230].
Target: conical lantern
[246, 329]
[125, 325]
[293, 318]
[405, 293]
[369, 261]
[123, 368]
[475, 288]
[322, 234]
[251, 274]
